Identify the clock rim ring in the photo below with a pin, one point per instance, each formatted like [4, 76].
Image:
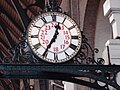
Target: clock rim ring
[35, 19]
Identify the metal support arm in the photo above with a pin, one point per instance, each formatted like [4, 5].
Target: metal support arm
[106, 74]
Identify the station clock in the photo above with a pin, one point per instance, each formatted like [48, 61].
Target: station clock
[54, 37]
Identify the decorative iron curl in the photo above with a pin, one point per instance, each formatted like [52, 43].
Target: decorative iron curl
[22, 53]
[6, 60]
[86, 54]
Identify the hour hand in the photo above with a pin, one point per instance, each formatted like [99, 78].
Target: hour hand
[56, 32]
[53, 39]
[57, 26]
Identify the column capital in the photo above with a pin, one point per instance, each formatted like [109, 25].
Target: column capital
[113, 51]
[111, 6]
[112, 11]
[113, 42]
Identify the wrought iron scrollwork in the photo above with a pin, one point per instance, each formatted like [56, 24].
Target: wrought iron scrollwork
[86, 54]
[22, 53]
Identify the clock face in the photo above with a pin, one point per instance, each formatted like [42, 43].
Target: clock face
[54, 37]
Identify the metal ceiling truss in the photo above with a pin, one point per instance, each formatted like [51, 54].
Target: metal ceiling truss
[4, 43]
[22, 14]
[7, 34]
[83, 65]
[11, 19]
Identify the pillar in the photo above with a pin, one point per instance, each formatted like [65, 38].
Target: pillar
[112, 11]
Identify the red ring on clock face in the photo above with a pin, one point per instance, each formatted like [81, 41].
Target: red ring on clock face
[62, 41]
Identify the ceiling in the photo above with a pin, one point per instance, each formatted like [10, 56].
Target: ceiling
[12, 27]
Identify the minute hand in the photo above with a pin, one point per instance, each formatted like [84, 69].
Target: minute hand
[53, 39]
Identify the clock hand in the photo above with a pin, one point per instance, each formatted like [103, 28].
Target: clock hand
[57, 26]
[53, 39]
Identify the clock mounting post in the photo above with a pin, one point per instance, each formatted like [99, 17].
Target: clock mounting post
[52, 6]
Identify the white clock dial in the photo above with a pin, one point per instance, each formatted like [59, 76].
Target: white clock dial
[62, 41]
[54, 37]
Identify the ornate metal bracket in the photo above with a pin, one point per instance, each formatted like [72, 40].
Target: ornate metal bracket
[83, 65]
[100, 77]
[86, 55]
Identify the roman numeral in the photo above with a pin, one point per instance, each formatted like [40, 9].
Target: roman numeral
[74, 37]
[73, 46]
[71, 27]
[66, 54]
[36, 26]
[45, 54]
[34, 36]
[55, 56]
[53, 17]
[64, 20]
[44, 20]
[37, 46]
